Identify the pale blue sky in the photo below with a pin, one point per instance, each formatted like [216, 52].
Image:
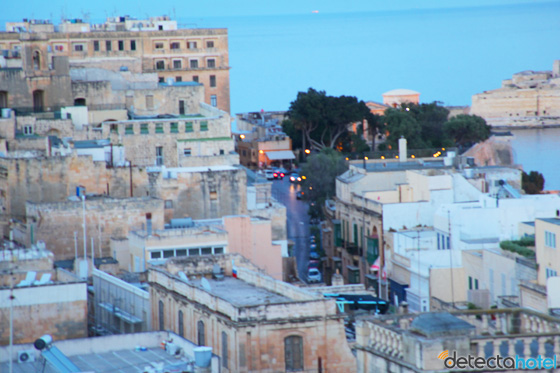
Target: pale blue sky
[98, 10]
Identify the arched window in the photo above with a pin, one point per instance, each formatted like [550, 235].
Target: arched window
[80, 102]
[293, 353]
[37, 60]
[200, 330]
[224, 350]
[160, 314]
[181, 331]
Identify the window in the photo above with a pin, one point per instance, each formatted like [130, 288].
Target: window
[178, 78]
[144, 129]
[210, 44]
[159, 127]
[195, 78]
[161, 79]
[177, 64]
[204, 126]
[28, 130]
[168, 204]
[121, 45]
[293, 353]
[133, 45]
[159, 45]
[194, 252]
[187, 152]
[353, 275]
[213, 100]
[218, 250]
[174, 127]
[155, 254]
[194, 64]
[550, 239]
[160, 27]
[224, 350]
[175, 45]
[191, 44]
[160, 65]
[475, 284]
[551, 273]
[161, 321]
[470, 283]
[180, 326]
[168, 253]
[96, 45]
[181, 107]
[159, 156]
[200, 334]
[211, 63]
[212, 80]
[206, 251]
[448, 243]
[188, 126]
[78, 47]
[222, 152]
[108, 46]
[129, 129]
[60, 48]
[181, 252]
[149, 102]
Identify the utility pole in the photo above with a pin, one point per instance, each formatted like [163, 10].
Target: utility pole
[11, 358]
[451, 259]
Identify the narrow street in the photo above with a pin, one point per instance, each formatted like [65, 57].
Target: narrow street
[297, 221]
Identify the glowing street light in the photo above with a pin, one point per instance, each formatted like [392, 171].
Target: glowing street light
[307, 151]
[242, 137]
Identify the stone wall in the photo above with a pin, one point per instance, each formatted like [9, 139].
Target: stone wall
[59, 310]
[56, 223]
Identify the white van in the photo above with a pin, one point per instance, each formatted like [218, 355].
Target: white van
[269, 174]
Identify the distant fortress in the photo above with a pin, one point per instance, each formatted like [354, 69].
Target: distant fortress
[528, 99]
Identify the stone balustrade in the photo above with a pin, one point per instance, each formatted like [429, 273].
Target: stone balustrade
[386, 341]
[546, 345]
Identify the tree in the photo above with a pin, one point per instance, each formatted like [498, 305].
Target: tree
[324, 119]
[466, 130]
[431, 118]
[320, 171]
[290, 130]
[401, 124]
[533, 182]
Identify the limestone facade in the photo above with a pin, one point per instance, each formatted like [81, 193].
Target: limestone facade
[185, 55]
[529, 98]
[257, 325]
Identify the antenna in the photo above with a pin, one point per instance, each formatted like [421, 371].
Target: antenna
[206, 285]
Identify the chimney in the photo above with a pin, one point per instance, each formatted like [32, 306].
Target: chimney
[402, 149]
[149, 223]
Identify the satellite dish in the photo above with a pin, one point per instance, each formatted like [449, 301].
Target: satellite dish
[206, 285]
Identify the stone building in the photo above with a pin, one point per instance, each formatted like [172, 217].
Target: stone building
[59, 224]
[396, 97]
[419, 343]
[529, 98]
[183, 55]
[253, 322]
[46, 300]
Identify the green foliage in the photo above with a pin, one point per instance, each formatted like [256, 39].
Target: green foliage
[324, 119]
[466, 130]
[289, 129]
[519, 247]
[426, 126]
[472, 306]
[532, 183]
[321, 170]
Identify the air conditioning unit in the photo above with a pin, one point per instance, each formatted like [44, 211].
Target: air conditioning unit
[26, 356]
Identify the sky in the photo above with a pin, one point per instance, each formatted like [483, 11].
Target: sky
[100, 9]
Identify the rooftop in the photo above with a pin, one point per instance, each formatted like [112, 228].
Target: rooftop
[240, 293]
[551, 220]
[440, 324]
[400, 92]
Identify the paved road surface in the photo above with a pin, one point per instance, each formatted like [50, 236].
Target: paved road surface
[297, 221]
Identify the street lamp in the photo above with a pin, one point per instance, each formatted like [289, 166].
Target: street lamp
[307, 151]
[241, 137]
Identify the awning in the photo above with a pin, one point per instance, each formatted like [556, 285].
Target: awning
[280, 155]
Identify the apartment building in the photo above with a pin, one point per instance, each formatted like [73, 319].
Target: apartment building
[123, 44]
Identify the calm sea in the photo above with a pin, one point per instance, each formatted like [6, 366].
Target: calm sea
[445, 54]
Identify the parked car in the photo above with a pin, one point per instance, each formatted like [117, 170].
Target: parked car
[313, 275]
[300, 194]
[295, 178]
[313, 264]
[313, 246]
[269, 174]
[313, 255]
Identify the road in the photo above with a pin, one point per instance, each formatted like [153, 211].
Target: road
[297, 221]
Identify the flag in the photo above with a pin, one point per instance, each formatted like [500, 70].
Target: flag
[233, 269]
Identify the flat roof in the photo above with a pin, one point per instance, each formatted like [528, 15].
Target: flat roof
[240, 293]
[551, 220]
